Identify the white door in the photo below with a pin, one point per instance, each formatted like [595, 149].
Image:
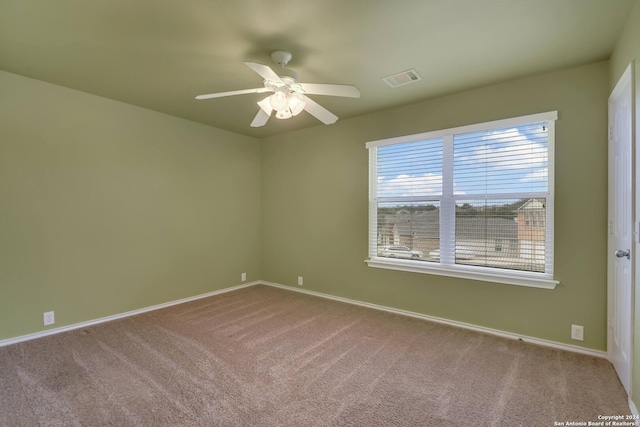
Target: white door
[620, 260]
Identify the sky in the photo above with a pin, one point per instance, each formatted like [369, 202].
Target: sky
[509, 160]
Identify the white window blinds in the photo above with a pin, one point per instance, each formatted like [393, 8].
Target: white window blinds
[475, 198]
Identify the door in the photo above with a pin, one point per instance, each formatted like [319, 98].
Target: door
[620, 259]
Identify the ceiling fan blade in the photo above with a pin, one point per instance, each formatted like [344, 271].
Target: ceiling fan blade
[265, 71]
[233, 92]
[319, 112]
[260, 119]
[349, 91]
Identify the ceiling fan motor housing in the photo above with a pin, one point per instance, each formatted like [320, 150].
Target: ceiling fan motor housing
[287, 72]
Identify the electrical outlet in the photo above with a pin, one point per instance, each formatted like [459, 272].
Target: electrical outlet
[48, 318]
[243, 277]
[577, 332]
[300, 281]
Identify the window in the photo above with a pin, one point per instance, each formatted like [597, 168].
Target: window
[451, 199]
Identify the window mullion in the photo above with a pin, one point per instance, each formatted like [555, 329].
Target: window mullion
[448, 206]
[373, 201]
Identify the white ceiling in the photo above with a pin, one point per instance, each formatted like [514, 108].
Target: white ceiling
[159, 54]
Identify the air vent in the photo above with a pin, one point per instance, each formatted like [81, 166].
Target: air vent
[403, 78]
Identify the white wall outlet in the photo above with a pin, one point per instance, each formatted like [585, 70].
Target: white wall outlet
[48, 318]
[577, 332]
[243, 277]
[300, 281]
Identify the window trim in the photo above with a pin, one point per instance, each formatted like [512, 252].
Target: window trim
[544, 280]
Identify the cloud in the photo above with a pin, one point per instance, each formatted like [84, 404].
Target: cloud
[404, 185]
[538, 175]
[505, 149]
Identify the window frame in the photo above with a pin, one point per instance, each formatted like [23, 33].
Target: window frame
[447, 267]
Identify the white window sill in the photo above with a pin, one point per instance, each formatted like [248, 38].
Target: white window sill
[466, 272]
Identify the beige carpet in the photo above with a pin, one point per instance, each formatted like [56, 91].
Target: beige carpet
[262, 356]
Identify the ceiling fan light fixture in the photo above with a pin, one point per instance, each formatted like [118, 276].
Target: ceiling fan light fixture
[286, 105]
[288, 96]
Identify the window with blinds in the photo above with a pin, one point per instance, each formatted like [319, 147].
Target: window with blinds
[474, 201]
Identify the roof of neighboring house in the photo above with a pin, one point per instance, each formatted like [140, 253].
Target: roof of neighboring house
[532, 204]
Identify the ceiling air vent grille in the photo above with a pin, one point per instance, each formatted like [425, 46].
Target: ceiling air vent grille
[403, 78]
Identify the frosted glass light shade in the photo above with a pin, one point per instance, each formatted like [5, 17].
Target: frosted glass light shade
[296, 103]
[279, 101]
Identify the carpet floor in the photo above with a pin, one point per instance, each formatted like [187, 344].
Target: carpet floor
[263, 356]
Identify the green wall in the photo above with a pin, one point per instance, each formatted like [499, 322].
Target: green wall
[315, 209]
[106, 207]
[627, 50]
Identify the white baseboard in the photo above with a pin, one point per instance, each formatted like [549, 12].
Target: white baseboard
[497, 332]
[61, 329]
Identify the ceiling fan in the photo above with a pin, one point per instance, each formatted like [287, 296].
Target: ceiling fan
[289, 96]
